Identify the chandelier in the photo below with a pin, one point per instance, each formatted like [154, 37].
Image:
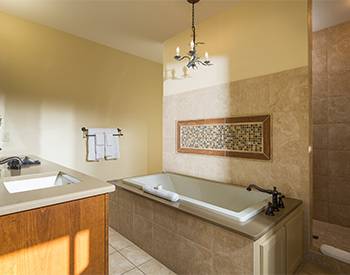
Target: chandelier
[192, 56]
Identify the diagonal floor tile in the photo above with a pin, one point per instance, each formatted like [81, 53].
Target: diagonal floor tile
[135, 255]
[134, 271]
[111, 249]
[118, 264]
[154, 267]
[118, 241]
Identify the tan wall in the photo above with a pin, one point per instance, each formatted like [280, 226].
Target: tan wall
[261, 67]
[331, 124]
[52, 84]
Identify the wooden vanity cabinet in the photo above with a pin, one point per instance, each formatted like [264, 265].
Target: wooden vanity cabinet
[67, 238]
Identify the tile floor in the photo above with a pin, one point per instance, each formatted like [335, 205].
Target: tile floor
[312, 269]
[127, 258]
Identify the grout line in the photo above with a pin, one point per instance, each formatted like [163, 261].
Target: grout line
[131, 261]
[120, 248]
[141, 270]
[129, 270]
[127, 259]
[146, 261]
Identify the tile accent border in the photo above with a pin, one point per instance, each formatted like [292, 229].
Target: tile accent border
[224, 144]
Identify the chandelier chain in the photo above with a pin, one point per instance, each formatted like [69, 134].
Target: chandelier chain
[192, 56]
[193, 26]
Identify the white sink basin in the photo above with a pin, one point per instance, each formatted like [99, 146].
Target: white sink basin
[20, 184]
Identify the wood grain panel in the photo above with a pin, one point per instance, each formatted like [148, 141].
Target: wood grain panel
[67, 238]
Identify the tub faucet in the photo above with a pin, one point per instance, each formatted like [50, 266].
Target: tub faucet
[277, 201]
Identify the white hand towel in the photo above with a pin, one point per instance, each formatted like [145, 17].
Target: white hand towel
[100, 145]
[111, 144]
[91, 148]
[168, 195]
[96, 144]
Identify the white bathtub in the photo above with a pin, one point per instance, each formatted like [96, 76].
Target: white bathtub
[229, 200]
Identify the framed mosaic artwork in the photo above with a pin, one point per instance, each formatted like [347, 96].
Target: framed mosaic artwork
[243, 137]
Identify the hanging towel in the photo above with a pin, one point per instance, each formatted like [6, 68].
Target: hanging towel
[96, 144]
[112, 150]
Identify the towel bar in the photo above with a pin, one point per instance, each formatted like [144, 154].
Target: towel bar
[85, 130]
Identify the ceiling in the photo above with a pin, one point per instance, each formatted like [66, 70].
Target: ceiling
[138, 27]
[327, 13]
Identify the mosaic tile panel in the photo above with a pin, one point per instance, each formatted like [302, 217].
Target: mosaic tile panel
[235, 137]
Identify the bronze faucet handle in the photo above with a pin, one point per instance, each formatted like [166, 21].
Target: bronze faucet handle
[280, 201]
[269, 210]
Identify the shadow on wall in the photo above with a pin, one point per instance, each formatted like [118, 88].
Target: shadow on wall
[201, 77]
[50, 127]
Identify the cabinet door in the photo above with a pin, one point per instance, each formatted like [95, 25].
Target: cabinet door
[273, 254]
[294, 240]
[64, 239]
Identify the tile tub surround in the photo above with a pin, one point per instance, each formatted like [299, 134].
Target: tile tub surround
[331, 124]
[284, 95]
[183, 242]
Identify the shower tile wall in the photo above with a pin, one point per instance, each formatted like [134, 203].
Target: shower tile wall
[331, 124]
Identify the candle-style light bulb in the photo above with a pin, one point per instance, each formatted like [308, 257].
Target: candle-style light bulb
[192, 45]
[206, 56]
[178, 51]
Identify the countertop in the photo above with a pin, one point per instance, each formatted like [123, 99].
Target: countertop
[253, 229]
[21, 201]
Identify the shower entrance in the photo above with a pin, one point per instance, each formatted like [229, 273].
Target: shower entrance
[331, 128]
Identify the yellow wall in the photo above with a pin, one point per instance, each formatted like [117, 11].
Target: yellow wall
[253, 38]
[53, 83]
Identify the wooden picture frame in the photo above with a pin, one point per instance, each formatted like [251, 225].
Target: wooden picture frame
[263, 120]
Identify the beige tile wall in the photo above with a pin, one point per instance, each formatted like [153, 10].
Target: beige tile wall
[331, 124]
[284, 95]
[184, 243]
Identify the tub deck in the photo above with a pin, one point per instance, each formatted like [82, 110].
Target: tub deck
[253, 229]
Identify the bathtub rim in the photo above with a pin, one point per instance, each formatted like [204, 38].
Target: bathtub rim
[253, 229]
[241, 216]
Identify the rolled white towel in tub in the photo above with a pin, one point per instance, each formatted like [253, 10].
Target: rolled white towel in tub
[168, 195]
[340, 255]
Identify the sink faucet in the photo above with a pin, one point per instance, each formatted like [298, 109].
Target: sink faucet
[12, 162]
[17, 163]
[277, 201]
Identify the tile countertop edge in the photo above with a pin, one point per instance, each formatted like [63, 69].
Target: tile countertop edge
[46, 202]
[258, 225]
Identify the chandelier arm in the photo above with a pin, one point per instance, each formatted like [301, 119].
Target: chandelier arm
[201, 62]
[204, 63]
[184, 57]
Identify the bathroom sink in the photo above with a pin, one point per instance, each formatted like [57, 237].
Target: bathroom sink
[24, 184]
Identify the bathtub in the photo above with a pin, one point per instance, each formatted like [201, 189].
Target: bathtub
[224, 199]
